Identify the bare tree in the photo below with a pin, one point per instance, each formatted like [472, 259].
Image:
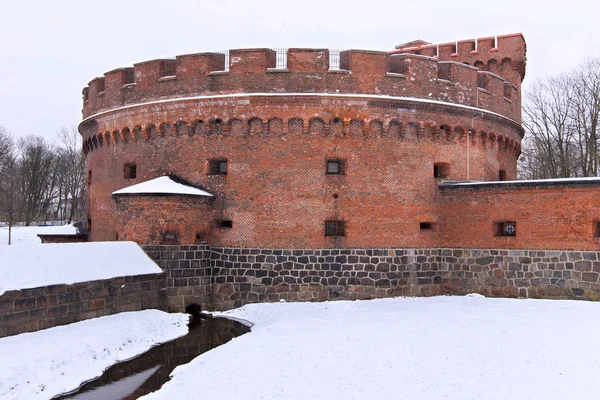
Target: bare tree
[561, 120]
[547, 122]
[70, 170]
[585, 115]
[6, 146]
[10, 194]
[38, 180]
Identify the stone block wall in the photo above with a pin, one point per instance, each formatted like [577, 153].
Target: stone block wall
[242, 276]
[33, 309]
[239, 276]
[522, 273]
[187, 271]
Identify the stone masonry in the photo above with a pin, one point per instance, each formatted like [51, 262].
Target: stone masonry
[239, 276]
[29, 310]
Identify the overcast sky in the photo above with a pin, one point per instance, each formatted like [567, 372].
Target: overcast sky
[49, 50]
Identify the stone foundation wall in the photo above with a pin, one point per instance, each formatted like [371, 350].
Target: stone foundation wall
[187, 271]
[30, 310]
[522, 273]
[242, 276]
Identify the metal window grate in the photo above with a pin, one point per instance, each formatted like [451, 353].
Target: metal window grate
[335, 167]
[226, 52]
[506, 228]
[218, 167]
[334, 60]
[280, 58]
[335, 228]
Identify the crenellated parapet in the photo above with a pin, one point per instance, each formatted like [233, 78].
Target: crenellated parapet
[504, 55]
[406, 73]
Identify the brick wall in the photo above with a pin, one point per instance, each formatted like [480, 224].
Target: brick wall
[548, 215]
[390, 117]
[145, 219]
[276, 191]
[33, 309]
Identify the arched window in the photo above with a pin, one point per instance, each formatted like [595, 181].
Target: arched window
[376, 128]
[295, 126]
[316, 126]
[216, 126]
[236, 127]
[356, 127]
[394, 128]
[275, 126]
[255, 126]
[181, 128]
[337, 127]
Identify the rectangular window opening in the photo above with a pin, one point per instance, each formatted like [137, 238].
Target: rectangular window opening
[502, 175]
[170, 236]
[426, 226]
[335, 167]
[596, 228]
[217, 167]
[335, 228]
[441, 170]
[129, 171]
[225, 223]
[505, 228]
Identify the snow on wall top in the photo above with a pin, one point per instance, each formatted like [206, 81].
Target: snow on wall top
[162, 185]
[533, 182]
[30, 266]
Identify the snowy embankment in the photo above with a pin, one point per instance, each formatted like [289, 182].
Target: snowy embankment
[46, 363]
[28, 234]
[29, 266]
[405, 348]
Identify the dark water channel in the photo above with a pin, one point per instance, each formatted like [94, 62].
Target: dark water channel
[147, 372]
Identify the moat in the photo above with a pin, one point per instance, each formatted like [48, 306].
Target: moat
[148, 372]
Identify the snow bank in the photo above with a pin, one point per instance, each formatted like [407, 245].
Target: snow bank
[416, 348]
[28, 234]
[162, 185]
[29, 266]
[46, 363]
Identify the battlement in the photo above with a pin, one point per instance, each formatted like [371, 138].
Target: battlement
[416, 72]
[504, 55]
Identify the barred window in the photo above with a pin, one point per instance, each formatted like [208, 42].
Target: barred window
[335, 228]
[218, 167]
[335, 167]
[506, 228]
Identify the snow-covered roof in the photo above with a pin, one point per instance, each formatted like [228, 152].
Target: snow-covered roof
[162, 185]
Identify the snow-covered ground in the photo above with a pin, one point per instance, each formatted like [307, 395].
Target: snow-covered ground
[405, 348]
[28, 234]
[29, 266]
[46, 363]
